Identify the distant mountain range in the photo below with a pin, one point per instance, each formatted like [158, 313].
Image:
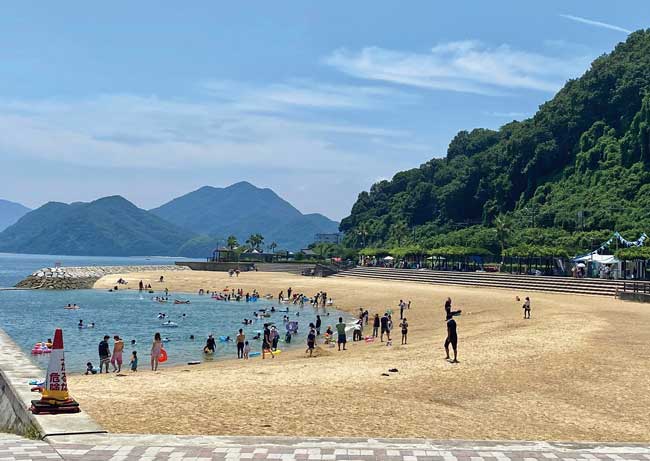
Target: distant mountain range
[242, 209]
[110, 226]
[191, 225]
[10, 212]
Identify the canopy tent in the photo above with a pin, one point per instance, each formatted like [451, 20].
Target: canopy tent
[388, 258]
[595, 257]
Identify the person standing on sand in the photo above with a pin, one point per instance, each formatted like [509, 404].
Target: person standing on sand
[384, 327]
[104, 354]
[452, 338]
[405, 330]
[241, 339]
[375, 326]
[311, 342]
[402, 305]
[156, 348]
[340, 329]
[526, 307]
[116, 359]
[266, 342]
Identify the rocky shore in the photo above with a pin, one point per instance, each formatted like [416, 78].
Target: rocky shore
[73, 278]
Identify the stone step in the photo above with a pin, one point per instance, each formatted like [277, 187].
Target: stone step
[523, 283]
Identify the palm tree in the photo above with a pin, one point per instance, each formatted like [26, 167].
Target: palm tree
[399, 231]
[232, 242]
[362, 232]
[255, 241]
[273, 246]
[503, 228]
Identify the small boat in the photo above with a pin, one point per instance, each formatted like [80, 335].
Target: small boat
[179, 301]
[169, 324]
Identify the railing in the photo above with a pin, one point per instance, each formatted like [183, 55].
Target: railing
[636, 287]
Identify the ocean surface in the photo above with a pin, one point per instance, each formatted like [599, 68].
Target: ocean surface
[30, 316]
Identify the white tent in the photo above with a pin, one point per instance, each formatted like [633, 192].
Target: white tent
[602, 259]
[388, 258]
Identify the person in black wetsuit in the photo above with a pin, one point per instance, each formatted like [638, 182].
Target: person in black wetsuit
[448, 311]
[452, 338]
[210, 345]
[319, 322]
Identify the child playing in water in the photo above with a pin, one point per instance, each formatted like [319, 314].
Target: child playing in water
[134, 361]
[247, 350]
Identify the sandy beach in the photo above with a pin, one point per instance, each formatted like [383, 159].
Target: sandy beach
[578, 370]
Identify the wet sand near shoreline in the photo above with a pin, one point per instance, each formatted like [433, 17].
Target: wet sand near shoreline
[578, 370]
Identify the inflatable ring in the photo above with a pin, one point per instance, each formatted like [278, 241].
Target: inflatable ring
[162, 358]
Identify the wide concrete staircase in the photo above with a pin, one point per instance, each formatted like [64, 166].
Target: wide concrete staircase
[521, 283]
[291, 268]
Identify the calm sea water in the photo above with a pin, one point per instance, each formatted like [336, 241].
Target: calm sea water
[32, 316]
[14, 267]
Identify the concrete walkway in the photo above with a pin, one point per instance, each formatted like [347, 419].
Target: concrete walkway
[154, 447]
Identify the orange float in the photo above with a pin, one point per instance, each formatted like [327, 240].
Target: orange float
[163, 356]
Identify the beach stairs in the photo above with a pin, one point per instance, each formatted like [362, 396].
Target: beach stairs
[523, 283]
[291, 268]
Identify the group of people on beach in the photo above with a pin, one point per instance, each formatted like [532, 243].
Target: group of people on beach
[382, 326]
[115, 358]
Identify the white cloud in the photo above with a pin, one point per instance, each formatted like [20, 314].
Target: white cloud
[591, 22]
[139, 131]
[465, 66]
[510, 115]
[303, 94]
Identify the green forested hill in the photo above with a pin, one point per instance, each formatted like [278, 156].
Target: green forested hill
[578, 169]
[110, 226]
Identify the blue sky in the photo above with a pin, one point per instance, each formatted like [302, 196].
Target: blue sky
[316, 100]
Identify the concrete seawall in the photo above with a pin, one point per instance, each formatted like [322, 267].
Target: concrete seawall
[71, 278]
[15, 399]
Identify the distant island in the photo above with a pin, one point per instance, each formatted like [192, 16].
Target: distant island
[191, 225]
[10, 212]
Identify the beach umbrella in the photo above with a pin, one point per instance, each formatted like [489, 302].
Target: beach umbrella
[580, 265]
[388, 258]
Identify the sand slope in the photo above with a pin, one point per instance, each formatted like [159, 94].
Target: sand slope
[577, 371]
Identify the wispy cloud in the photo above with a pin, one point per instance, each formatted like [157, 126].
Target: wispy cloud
[463, 66]
[303, 94]
[122, 129]
[591, 22]
[510, 115]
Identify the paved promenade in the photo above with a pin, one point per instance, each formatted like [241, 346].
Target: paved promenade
[143, 447]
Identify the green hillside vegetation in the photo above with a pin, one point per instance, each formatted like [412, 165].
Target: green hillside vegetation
[564, 179]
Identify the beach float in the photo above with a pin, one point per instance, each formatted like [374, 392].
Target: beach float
[162, 358]
[71, 308]
[40, 348]
[169, 324]
[224, 339]
[370, 339]
[254, 354]
[177, 301]
[194, 362]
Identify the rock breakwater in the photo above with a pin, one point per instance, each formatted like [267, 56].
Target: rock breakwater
[73, 278]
